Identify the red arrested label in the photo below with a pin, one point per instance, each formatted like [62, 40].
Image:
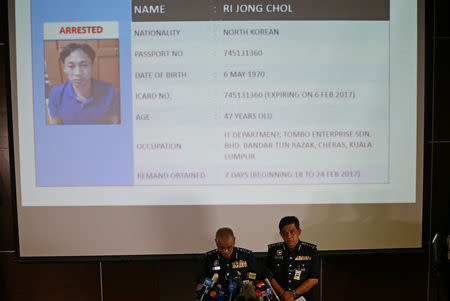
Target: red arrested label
[80, 29]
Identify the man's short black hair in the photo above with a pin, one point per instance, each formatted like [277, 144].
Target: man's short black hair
[74, 46]
[287, 220]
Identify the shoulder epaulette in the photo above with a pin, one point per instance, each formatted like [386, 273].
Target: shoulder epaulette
[277, 244]
[244, 250]
[307, 244]
[212, 252]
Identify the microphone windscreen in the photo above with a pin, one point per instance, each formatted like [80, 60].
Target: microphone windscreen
[248, 292]
[232, 288]
[215, 277]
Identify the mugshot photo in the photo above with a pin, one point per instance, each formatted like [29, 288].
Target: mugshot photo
[82, 82]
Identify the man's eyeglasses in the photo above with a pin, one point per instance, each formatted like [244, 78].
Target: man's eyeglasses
[221, 249]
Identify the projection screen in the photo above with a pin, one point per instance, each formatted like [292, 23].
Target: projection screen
[140, 127]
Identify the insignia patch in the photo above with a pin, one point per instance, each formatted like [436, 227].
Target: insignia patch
[216, 263]
[279, 252]
[303, 258]
[211, 252]
[308, 244]
[244, 250]
[239, 264]
[275, 244]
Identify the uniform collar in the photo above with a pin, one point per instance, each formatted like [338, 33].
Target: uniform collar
[296, 249]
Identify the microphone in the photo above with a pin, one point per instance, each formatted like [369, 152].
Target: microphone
[199, 288]
[262, 295]
[215, 277]
[271, 289]
[222, 294]
[232, 288]
[248, 293]
[259, 294]
[213, 294]
[235, 283]
[237, 275]
[208, 284]
[251, 276]
[262, 291]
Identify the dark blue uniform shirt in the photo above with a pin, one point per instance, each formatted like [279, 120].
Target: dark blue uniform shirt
[241, 260]
[291, 269]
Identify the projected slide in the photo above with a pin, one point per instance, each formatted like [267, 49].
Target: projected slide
[220, 95]
[247, 94]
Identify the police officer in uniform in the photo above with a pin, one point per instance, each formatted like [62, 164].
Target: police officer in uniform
[227, 259]
[293, 264]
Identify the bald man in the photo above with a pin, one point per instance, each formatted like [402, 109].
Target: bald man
[227, 259]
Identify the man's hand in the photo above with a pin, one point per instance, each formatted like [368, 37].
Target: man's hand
[288, 296]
